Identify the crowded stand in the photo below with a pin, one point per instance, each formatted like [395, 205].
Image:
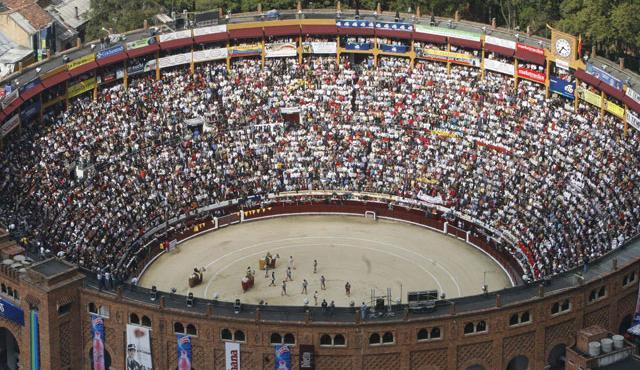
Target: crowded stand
[562, 185]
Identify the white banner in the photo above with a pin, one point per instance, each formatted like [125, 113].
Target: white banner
[633, 120]
[174, 60]
[496, 66]
[633, 95]
[138, 355]
[175, 35]
[500, 42]
[281, 49]
[210, 54]
[10, 125]
[209, 30]
[232, 355]
[319, 47]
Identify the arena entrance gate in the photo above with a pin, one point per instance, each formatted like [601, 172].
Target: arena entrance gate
[9, 350]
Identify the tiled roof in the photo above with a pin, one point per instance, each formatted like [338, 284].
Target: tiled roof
[32, 12]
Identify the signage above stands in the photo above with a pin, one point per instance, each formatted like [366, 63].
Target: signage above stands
[11, 312]
[354, 23]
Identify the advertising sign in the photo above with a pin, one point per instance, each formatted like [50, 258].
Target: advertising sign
[499, 42]
[138, 356]
[459, 34]
[614, 109]
[209, 30]
[633, 95]
[5, 306]
[448, 56]
[592, 98]
[174, 60]
[184, 352]
[81, 87]
[394, 26]
[354, 23]
[232, 355]
[210, 54]
[81, 61]
[97, 335]
[394, 48]
[529, 48]
[307, 360]
[110, 51]
[175, 35]
[8, 310]
[244, 50]
[601, 75]
[562, 87]
[283, 357]
[319, 47]
[10, 98]
[359, 46]
[138, 68]
[141, 43]
[497, 66]
[281, 49]
[529, 74]
[634, 121]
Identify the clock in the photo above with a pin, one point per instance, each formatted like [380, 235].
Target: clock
[563, 48]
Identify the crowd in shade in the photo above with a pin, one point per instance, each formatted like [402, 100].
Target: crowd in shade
[561, 185]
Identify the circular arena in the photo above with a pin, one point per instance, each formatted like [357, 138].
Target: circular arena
[471, 198]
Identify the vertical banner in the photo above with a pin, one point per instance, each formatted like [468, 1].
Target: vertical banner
[307, 360]
[283, 357]
[138, 348]
[97, 334]
[232, 355]
[35, 341]
[184, 352]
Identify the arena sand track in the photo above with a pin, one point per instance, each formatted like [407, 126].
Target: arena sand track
[369, 254]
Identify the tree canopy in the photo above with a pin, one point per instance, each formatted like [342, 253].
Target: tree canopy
[611, 26]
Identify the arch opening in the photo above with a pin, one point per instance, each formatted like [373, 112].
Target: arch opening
[9, 350]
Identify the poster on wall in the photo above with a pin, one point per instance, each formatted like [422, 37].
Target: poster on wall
[184, 352]
[283, 357]
[307, 360]
[138, 348]
[232, 356]
[562, 87]
[97, 342]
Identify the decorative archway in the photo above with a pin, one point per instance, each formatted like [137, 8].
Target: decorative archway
[9, 350]
[625, 324]
[557, 357]
[520, 362]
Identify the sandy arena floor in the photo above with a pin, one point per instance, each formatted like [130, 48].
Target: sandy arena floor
[369, 254]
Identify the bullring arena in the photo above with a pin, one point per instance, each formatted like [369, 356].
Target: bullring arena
[368, 254]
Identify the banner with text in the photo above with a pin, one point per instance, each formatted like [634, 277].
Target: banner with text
[499, 42]
[591, 98]
[529, 48]
[245, 50]
[359, 45]
[98, 340]
[81, 61]
[354, 23]
[633, 120]
[138, 348]
[8, 310]
[606, 77]
[633, 95]
[210, 54]
[449, 56]
[497, 66]
[394, 48]
[110, 51]
[307, 360]
[184, 351]
[281, 49]
[530, 74]
[319, 47]
[141, 43]
[283, 357]
[209, 30]
[175, 35]
[81, 87]
[10, 98]
[614, 109]
[394, 26]
[174, 60]
[232, 355]
[562, 87]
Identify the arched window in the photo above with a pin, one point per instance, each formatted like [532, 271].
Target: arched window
[339, 340]
[481, 326]
[238, 336]
[526, 317]
[191, 329]
[423, 334]
[225, 334]
[374, 338]
[93, 308]
[289, 339]
[566, 305]
[325, 340]
[387, 337]
[146, 321]
[555, 308]
[469, 328]
[514, 319]
[178, 328]
[435, 333]
[276, 338]
[134, 319]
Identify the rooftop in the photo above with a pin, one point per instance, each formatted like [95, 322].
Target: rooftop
[66, 11]
[630, 363]
[52, 267]
[31, 11]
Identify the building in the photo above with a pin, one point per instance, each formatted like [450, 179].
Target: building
[71, 17]
[11, 55]
[25, 23]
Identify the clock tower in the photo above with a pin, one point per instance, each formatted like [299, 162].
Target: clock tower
[564, 48]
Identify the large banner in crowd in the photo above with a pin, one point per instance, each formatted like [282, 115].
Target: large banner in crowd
[184, 352]
[232, 355]
[319, 47]
[97, 342]
[449, 56]
[562, 87]
[531, 75]
[210, 54]
[307, 360]
[138, 348]
[174, 60]
[281, 49]
[606, 77]
[497, 66]
[283, 357]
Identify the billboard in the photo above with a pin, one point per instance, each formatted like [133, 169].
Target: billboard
[614, 109]
[496, 66]
[138, 356]
[283, 357]
[184, 351]
[245, 50]
[232, 355]
[8, 310]
[210, 54]
[81, 61]
[601, 75]
[141, 43]
[281, 49]
[110, 52]
[81, 87]
[499, 42]
[530, 74]
[634, 121]
[562, 87]
[174, 60]
[354, 23]
[449, 56]
[394, 26]
[319, 47]
[592, 98]
[209, 30]
[175, 35]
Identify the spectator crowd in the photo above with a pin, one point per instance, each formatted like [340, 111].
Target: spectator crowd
[563, 184]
